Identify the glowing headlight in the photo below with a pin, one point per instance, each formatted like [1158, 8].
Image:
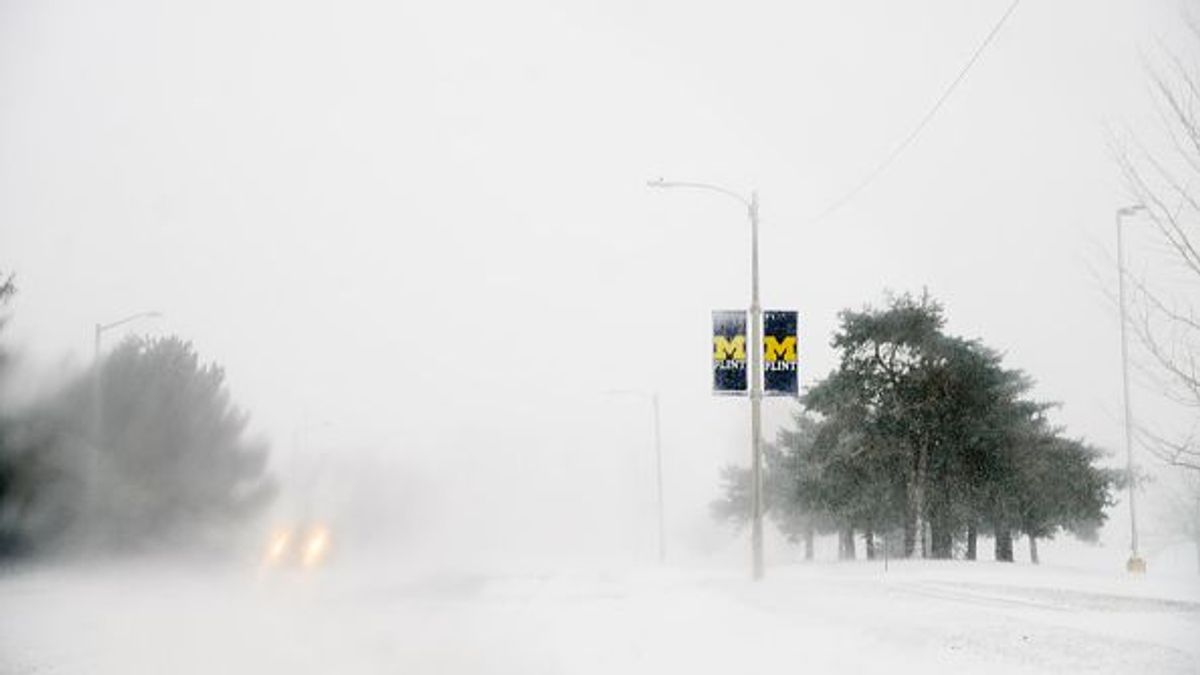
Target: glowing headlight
[277, 550]
[316, 546]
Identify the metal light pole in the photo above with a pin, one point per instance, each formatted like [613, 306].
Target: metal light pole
[101, 327]
[756, 531]
[98, 400]
[658, 467]
[97, 418]
[658, 479]
[1135, 564]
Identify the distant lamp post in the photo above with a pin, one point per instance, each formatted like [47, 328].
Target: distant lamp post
[97, 410]
[97, 401]
[101, 327]
[756, 359]
[1136, 564]
[658, 465]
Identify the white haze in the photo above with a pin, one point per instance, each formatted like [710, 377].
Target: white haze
[418, 238]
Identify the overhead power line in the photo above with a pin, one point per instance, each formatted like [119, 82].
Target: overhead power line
[912, 136]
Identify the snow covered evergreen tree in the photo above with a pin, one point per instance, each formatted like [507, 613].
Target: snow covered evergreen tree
[928, 435]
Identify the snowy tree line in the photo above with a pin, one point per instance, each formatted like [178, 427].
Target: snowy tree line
[922, 441]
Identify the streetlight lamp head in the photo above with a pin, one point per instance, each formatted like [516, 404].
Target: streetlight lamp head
[1130, 210]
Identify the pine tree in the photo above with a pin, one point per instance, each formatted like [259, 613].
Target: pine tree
[929, 434]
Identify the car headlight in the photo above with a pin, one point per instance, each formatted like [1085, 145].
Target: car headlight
[277, 548]
[316, 546]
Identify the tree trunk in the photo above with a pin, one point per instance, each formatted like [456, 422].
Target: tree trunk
[972, 542]
[810, 534]
[916, 504]
[870, 539]
[942, 541]
[1033, 556]
[846, 544]
[910, 539]
[897, 546]
[1004, 545]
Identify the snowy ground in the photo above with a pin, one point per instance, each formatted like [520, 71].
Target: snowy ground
[824, 617]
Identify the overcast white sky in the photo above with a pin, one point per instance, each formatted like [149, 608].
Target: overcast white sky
[422, 229]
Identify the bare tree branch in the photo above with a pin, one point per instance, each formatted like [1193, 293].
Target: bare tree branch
[1184, 454]
[1167, 325]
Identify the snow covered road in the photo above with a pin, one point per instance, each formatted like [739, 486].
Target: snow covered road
[927, 617]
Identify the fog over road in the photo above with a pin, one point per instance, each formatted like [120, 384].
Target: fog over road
[845, 618]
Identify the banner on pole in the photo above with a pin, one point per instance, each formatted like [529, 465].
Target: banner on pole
[729, 352]
[781, 363]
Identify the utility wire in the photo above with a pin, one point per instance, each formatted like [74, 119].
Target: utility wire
[895, 153]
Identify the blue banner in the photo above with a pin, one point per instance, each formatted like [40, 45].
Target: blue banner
[781, 361]
[729, 352]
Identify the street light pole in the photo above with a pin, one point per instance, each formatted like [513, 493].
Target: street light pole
[756, 358]
[658, 467]
[101, 327]
[97, 413]
[658, 479]
[98, 332]
[1135, 564]
[756, 528]
[98, 401]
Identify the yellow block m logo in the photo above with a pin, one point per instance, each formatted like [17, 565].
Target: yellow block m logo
[774, 350]
[733, 348]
